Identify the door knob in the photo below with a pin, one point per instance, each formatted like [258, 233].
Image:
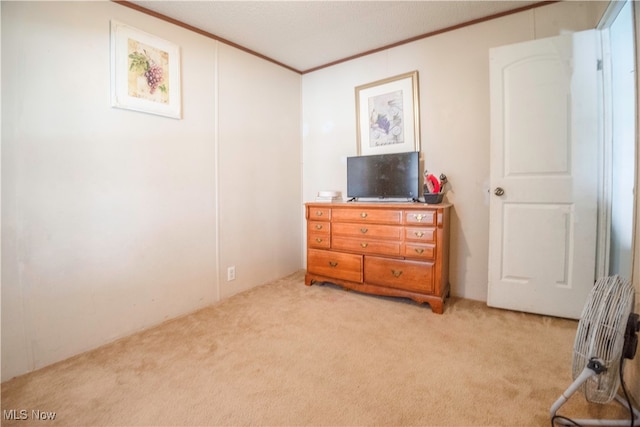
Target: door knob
[499, 191]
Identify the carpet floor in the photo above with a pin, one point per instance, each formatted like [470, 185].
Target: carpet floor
[284, 354]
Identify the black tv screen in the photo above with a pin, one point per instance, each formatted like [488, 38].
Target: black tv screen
[384, 176]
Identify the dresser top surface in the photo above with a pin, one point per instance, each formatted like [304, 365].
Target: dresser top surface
[379, 205]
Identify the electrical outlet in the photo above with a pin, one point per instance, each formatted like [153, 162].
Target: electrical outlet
[231, 273]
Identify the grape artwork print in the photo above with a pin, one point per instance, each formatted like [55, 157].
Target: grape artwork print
[148, 76]
[145, 72]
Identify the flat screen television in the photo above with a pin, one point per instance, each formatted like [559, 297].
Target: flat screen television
[384, 176]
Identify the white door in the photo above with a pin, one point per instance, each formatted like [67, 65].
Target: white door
[544, 174]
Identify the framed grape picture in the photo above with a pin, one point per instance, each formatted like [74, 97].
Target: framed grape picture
[145, 72]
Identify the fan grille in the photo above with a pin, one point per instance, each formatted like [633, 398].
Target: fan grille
[600, 335]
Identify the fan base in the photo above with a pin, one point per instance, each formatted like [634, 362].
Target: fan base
[601, 422]
[584, 376]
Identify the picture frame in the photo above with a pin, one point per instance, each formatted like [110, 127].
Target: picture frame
[145, 72]
[388, 115]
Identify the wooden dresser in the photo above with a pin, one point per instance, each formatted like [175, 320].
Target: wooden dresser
[392, 249]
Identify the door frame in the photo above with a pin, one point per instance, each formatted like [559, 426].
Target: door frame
[606, 140]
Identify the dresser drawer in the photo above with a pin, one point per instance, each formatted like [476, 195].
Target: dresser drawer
[367, 215]
[335, 264]
[400, 274]
[319, 234]
[366, 246]
[370, 231]
[315, 213]
[319, 227]
[420, 234]
[419, 251]
[426, 217]
[319, 240]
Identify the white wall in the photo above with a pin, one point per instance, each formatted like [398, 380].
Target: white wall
[114, 220]
[260, 177]
[453, 72]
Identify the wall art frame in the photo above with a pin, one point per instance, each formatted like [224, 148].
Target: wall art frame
[388, 115]
[145, 72]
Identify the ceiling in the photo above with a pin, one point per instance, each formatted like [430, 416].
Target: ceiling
[306, 35]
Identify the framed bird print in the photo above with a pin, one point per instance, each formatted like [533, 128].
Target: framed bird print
[388, 115]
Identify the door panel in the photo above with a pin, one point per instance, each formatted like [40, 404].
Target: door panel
[537, 229]
[544, 151]
[536, 149]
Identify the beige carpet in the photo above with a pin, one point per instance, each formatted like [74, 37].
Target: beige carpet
[287, 354]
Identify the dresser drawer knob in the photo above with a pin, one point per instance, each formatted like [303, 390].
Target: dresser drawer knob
[318, 226]
[363, 215]
[364, 230]
[333, 264]
[419, 217]
[318, 240]
[364, 245]
[396, 273]
[318, 213]
[419, 251]
[419, 233]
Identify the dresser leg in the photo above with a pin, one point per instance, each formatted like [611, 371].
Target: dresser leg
[437, 307]
[308, 281]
